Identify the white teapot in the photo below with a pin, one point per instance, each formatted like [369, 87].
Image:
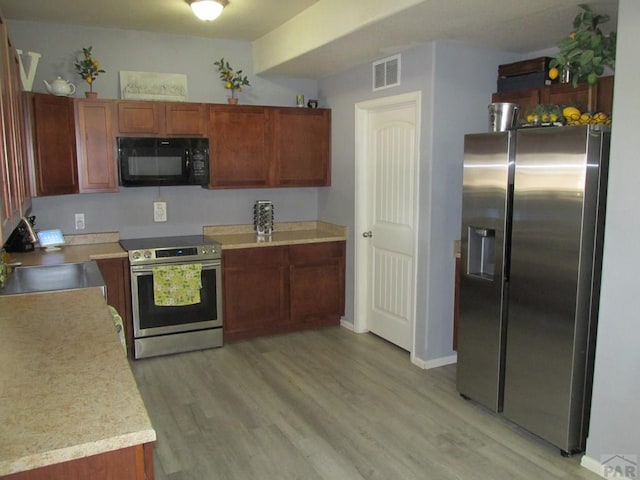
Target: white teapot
[60, 87]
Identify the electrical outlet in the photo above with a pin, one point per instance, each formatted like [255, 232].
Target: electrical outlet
[159, 211]
[80, 221]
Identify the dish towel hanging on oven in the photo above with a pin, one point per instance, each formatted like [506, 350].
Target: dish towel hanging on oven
[177, 285]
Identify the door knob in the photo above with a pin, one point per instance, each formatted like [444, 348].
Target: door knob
[367, 234]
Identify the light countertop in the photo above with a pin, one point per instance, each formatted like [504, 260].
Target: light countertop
[67, 388]
[78, 248]
[82, 248]
[289, 233]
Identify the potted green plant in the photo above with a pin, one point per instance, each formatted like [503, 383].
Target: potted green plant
[233, 81]
[88, 69]
[586, 50]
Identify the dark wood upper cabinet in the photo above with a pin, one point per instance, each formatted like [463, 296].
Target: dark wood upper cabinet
[140, 117]
[566, 94]
[186, 118]
[302, 147]
[240, 146]
[96, 146]
[161, 118]
[597, 98]
[255, 147]
[250, 146]
[527, 98]
[54, 144]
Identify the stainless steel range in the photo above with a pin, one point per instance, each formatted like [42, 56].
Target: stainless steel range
[161, 327]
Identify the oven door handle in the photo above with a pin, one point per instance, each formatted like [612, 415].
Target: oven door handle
[142, 269]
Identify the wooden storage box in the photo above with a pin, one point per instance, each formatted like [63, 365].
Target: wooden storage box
[530, 73]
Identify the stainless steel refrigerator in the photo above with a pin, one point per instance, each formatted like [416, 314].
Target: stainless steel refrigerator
[531, 242]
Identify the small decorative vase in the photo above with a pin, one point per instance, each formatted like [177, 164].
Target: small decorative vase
[91, 95]
[232, 100]
[565, 74]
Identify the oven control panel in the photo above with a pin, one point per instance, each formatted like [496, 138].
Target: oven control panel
[182, 254]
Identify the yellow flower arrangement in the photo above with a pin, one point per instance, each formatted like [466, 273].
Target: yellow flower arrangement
[233, 81]
[88, 68]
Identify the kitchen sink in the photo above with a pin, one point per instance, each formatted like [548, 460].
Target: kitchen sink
[48, 278]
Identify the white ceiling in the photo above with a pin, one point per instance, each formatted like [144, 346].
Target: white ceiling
[511, 25]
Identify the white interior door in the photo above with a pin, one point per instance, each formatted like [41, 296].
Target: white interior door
[387, 190]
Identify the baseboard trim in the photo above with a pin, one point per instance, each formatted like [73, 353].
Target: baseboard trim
[435, 363]
[592, 465]
[346, 324]
[614, 468]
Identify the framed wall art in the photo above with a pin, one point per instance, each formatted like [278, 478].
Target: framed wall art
[153, 86]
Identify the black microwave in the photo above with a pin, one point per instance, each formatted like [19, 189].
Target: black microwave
[146, 162]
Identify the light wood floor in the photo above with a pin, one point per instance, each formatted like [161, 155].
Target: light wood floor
[328, 404]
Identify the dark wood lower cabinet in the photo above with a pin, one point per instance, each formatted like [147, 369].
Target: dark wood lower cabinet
[132, 463]
[316, 276]
[270, 290]
[116, 275]
[256, 297]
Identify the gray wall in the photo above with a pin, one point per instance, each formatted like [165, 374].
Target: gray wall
[456, 82]
[149, 52]
[188, 208]
[130, 211]
[615, 414]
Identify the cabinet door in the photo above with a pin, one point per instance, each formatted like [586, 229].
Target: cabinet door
[302, 148]
[256, 296]
[96, 146]
[239, 144]
[605, 95]
[566, 94]
[527, 98]
[140, 117]
[15, 189]
[55, 145]
[115, 272]
[317, 283]
[129, 463]
[16, 125]
[185, 119]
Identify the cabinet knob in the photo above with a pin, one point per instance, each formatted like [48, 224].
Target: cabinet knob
[367, 234]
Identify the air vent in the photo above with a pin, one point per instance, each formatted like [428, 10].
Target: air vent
[386, 73]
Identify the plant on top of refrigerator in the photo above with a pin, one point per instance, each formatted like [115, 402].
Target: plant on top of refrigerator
[586, 51]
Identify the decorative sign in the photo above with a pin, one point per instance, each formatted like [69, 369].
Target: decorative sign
[27, 79]
[153, 86]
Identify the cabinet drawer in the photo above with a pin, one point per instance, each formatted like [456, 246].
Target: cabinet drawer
[315, 251]
[259, 256]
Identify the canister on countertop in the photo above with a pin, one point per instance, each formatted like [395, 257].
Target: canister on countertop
[263, 217]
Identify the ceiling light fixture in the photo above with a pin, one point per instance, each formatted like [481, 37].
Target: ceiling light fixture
[207, 9]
